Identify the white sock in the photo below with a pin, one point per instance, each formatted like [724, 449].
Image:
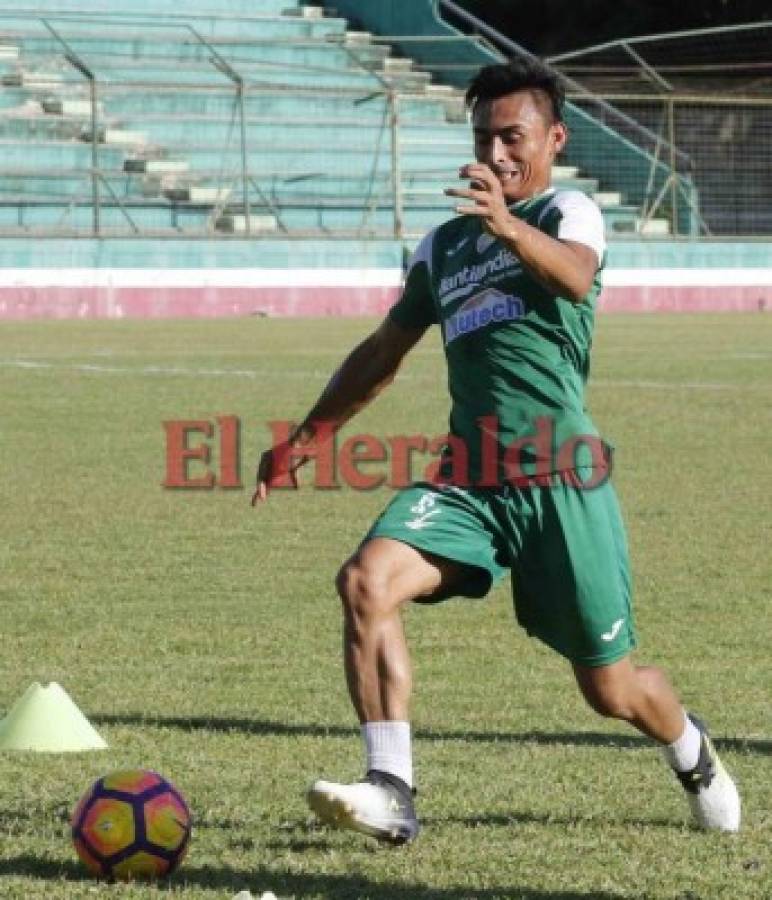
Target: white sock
[682, 755]
[388, 749]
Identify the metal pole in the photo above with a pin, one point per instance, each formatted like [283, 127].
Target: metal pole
[95, 156]
[222, 64]
[651, 72]
[396, 167]
[74, 60]
[244, 157]
[673, 167]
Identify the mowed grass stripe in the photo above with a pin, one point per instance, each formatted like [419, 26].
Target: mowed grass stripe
[37, 365]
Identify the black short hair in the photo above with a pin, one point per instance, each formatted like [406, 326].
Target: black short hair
[525, 74]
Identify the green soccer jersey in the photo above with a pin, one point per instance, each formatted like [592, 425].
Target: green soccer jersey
[518, 354]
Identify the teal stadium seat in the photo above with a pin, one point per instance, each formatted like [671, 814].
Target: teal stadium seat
[169, 139]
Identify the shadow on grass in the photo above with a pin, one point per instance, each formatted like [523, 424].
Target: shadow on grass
[28, 866]
[288, 729]
[261, 879]
[508, 820]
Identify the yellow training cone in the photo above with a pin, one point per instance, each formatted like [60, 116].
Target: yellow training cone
[46, 719]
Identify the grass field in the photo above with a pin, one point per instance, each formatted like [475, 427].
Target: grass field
[202, 637]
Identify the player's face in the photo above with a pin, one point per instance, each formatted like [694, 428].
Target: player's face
[515, 137]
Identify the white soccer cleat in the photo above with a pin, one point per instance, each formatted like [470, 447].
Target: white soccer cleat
[381, 806]
[711, 793]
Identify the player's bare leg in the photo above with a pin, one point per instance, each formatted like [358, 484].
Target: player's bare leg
[640, 695]
[643, 696]
[373, 585]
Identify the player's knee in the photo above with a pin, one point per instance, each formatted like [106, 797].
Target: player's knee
[362, 590]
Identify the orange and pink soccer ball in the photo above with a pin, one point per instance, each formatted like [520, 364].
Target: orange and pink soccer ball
[132, 824]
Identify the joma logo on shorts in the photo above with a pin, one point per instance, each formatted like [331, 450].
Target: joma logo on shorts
[480, 310]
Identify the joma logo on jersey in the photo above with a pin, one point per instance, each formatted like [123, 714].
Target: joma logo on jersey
[482, 309]
[470, 277]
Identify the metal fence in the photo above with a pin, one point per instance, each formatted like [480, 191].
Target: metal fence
[707, 97]
[725, 160]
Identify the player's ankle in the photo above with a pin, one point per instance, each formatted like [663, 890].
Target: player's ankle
[683, 753]
[388, 749]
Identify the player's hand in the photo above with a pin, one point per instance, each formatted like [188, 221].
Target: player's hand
[488, 198]
[276, 463]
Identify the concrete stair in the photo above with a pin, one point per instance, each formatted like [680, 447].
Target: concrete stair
[236, 223]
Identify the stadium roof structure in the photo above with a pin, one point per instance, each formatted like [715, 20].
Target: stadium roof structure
[731, 60]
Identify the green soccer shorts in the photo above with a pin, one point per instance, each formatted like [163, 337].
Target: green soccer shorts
[564, 545]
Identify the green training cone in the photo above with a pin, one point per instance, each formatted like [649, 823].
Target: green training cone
[46, 719]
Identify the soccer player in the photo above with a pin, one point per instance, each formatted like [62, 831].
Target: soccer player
[512, 282]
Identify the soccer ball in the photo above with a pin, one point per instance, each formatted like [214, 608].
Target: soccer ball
[131, 824]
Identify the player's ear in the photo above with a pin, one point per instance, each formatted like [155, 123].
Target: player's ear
[559, 136]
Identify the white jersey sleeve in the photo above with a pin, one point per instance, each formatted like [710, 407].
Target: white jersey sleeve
[423, 252]
[580, 220]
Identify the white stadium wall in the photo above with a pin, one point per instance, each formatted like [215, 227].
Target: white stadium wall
[92, 279]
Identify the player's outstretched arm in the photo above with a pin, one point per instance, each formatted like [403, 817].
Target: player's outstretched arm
[367, 370]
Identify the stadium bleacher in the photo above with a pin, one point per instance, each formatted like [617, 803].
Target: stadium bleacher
[168, 142]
